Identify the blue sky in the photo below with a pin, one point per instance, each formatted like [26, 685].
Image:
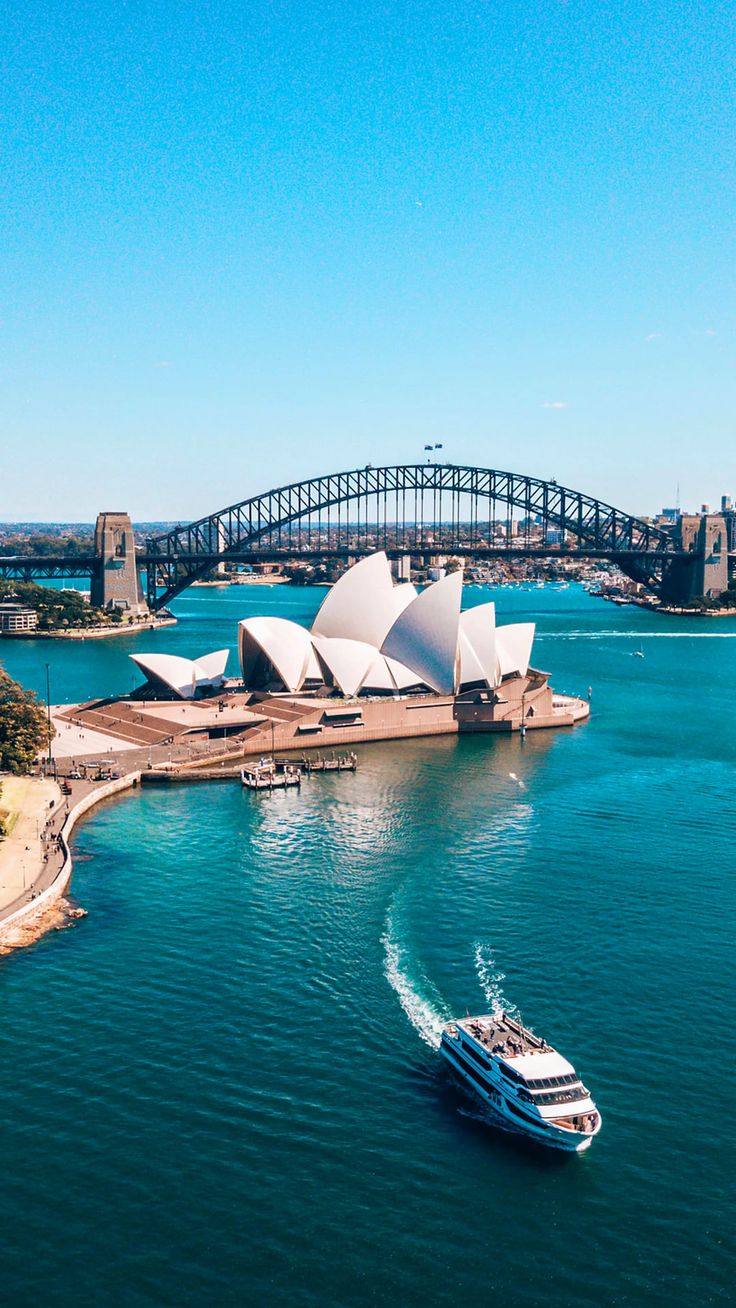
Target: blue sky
[243, 243]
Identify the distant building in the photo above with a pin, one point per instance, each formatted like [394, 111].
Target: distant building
[728, 513]
[401, 568]
[16, 617]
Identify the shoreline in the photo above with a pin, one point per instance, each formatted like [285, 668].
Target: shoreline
[92, 633]
[669, 610]
[246, 579]
[24, 923]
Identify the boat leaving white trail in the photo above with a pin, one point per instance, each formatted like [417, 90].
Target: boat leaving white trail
[490, 980]
[523, 1079]
[523, 1083]
[425, 1016]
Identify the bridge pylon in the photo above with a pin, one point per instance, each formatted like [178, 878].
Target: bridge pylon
[115, 582]
[701, 572]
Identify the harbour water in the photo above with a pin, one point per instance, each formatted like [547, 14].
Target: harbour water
[222, 1086]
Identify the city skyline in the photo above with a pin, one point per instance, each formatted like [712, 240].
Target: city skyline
[274, 243]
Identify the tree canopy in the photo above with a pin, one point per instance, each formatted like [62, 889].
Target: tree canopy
[41, 543]
[23, 726]
[57, 609]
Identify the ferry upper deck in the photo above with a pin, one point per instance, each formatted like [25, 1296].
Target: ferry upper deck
[537, 1064]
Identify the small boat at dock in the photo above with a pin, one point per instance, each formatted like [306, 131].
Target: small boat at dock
[523, 1079]
[276, 773]
[268, 774]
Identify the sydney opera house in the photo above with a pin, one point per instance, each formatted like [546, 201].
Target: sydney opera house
[380, 661]
[371, 637]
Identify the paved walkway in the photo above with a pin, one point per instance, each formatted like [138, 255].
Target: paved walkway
[31, 858]
[72, 741]
[22, 852]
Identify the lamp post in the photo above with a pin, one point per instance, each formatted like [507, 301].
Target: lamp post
[48, 712]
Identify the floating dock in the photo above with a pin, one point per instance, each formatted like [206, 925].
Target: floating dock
[277, 773]
[269, 774]
[335, 763]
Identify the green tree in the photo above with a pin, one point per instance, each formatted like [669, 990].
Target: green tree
[57, 609]
[23, 726]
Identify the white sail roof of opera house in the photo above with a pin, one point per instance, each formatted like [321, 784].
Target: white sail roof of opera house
[370, 635]
[425, 636]
[478, 655]
[514, 648]
[471, 669]
[184, 676]
[347, 660]
[355, 665]
[364, 603]
[286, 645]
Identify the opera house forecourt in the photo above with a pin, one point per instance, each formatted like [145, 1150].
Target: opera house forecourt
[381, 661]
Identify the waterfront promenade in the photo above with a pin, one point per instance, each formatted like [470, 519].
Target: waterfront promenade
[30, 803]
[35, 863]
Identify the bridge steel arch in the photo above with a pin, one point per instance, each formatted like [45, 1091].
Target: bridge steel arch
[415, 508]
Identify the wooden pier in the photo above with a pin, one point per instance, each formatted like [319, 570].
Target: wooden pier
[335, 763]
[270, 774]
[277, 773]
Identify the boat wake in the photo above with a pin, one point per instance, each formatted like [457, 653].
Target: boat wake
[427, 1015]
[646, 635]
[490, 981]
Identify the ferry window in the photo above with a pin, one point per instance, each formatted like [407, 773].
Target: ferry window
[561, 1096]
[551, 1082]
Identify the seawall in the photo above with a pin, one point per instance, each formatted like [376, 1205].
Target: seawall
[38, 915]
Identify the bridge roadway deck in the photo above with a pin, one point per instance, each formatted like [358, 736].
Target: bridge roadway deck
[21, 566]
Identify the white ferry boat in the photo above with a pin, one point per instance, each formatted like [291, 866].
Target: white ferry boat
[524, 1080]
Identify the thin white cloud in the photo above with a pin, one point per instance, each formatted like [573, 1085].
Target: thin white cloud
[555, 404]
[163, 363]
[653, 336]
[710, 331]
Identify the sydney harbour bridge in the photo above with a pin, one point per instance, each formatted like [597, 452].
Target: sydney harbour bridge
[418, 510]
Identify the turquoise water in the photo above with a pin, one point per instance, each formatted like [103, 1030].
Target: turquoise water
[222, 1088]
